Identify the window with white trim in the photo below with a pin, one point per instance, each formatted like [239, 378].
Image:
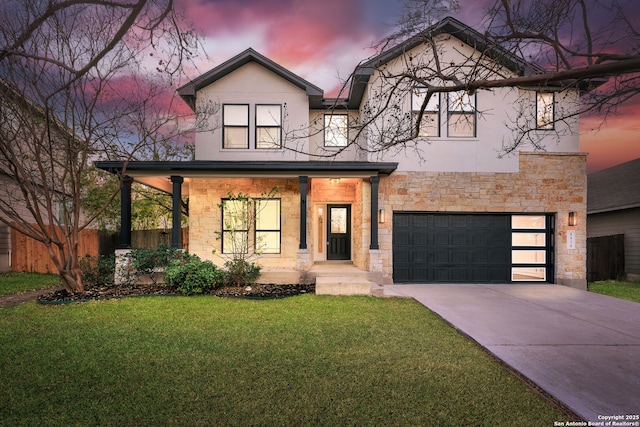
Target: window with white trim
[268, 126]
[336, 130]
[235, 126]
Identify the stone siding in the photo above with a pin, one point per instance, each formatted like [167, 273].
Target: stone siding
[205, 217]
[545, 183]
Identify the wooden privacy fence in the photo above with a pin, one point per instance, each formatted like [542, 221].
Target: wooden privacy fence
[149, 239]
[29, 255]
[605, 258]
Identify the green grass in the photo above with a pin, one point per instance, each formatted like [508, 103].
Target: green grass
[306, 360]
[624, 290]
[15, 283]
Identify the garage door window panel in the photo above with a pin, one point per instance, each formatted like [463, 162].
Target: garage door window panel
[529, 257]
[528, 274]
[530, 241]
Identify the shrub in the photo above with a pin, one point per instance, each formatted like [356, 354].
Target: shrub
[98, 270]
[190, 276]
[145, 261]
[240, 272]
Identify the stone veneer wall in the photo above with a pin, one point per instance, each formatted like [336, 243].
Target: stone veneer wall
[205, 217]
[545, 183]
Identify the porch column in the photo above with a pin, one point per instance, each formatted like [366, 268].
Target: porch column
[125, 213]
[303, 180]
[176, 217]
[375, 180]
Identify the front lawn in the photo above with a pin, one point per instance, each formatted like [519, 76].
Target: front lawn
[624, 290]
[305, 360]
[15, 283]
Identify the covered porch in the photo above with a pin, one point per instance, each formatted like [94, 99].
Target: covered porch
[329, 213]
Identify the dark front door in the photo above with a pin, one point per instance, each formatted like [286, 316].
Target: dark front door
[339, 232]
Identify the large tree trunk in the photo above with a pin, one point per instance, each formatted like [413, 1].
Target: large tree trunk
[68, 267]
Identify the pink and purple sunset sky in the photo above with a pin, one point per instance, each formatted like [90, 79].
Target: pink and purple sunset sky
[323, 40]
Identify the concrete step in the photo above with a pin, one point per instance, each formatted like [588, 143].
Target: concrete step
[338, 270]
[344, 285]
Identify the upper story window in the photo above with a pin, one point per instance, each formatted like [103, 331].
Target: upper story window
[268, 126]
[430, 123]
[235, 126]
[544, 110]
[461, 114]
[336, 130]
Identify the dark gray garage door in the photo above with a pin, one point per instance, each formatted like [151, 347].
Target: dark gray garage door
[451, 248]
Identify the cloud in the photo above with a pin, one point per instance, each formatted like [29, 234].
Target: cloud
[318, 40]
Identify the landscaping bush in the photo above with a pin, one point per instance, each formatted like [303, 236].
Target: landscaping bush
[98, 270]
[146, 262]
[190, 276]
[240, 272]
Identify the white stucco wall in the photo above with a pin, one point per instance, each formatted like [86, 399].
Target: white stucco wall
[253, 84]
[499, 112]
[317, 149]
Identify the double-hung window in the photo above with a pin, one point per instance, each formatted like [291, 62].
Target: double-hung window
[235, 226]
[461, 114]
[268, 226]
[430, 122]
[235, 126]
[336, 130]
[269, 126]
[544, 110]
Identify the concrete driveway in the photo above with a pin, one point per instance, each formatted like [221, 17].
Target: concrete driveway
[582, 348]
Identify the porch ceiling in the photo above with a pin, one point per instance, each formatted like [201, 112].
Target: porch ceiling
[157, 174]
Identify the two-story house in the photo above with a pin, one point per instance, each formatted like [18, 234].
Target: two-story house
[444, 205]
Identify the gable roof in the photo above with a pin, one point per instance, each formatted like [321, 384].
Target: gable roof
[365, 69]
[614, 188]
[447, 25]
[188, 91]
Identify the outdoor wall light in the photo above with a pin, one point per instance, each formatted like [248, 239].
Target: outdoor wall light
[381, 216]
[572, 219]
[334, 180]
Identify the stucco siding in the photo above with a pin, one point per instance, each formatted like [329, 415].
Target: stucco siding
[317, 148]
[253, 84]
[501, 112]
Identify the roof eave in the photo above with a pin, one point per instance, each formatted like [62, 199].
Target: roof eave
[188, 91]
[244, 168]
[613, 209]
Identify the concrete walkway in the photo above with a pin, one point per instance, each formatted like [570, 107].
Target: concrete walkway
[581, 348]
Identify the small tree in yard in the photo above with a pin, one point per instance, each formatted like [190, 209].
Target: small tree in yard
[241, 244]
[80, 81]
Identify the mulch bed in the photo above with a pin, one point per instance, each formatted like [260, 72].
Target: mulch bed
[112, 291]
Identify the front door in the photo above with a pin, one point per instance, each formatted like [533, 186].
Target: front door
[339, 232]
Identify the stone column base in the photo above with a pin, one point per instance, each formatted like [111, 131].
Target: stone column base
[124, 269]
